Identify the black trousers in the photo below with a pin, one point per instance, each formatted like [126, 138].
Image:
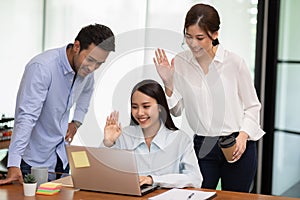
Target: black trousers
[237, 176]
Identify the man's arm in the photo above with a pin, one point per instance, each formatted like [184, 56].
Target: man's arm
[82, 105]
[31, 96]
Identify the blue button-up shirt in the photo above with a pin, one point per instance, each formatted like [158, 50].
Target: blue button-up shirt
[171, 160]
[46, 94]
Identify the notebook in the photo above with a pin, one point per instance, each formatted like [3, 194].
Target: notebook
[105, 170]
[176, 193]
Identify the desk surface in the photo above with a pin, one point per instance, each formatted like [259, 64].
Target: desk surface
[15, 191]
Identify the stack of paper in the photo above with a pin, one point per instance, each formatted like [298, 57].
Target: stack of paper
[179, 194]
[65, 181]
[49, 188]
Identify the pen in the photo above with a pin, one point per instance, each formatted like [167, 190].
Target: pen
[190, 196]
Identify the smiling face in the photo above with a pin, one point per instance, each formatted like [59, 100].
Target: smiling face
[145, 111]
[198, 41]
[88, 60]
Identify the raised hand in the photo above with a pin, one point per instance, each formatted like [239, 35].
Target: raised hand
[164, 68]
[112, 129]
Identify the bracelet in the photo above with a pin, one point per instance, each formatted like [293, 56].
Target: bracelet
[77, 123]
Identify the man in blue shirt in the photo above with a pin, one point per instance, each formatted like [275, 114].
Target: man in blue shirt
[52, 83]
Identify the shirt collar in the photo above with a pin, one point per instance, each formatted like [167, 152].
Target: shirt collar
[159, 140]
[66, 67]
[219, 57]
[161, 137]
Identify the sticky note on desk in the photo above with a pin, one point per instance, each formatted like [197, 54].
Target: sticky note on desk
[80, 159]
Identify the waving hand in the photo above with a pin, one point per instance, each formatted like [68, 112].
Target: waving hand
[112, 129]
[164, 68]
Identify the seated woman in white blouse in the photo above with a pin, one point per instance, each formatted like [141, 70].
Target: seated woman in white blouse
[164, 154]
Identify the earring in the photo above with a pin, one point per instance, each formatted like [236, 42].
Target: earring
[215, 42]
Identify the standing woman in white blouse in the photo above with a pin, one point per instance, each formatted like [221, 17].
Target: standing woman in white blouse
[215, 88]
[164, 154]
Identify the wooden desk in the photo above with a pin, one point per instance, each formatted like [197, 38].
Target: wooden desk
[15, 192]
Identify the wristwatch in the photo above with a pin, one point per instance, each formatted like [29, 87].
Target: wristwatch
[77, 123]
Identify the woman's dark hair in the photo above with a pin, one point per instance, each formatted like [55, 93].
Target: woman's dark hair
[153, 89]
[97, 34]
[205, 16]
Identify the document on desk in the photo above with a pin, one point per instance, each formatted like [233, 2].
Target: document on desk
[183, 194]
[65, 181]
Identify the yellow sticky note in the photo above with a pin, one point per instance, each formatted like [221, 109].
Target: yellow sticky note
[80, 159]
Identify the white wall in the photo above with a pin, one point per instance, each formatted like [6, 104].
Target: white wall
[20, 39]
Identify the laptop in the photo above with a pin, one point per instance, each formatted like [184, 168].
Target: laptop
[105, 170]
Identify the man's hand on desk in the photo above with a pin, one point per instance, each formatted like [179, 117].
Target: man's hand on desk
[13, 174]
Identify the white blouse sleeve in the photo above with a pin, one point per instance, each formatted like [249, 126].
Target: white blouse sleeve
[251, 104]
[175, 103]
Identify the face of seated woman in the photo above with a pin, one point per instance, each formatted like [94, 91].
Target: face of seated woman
[145, 111]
